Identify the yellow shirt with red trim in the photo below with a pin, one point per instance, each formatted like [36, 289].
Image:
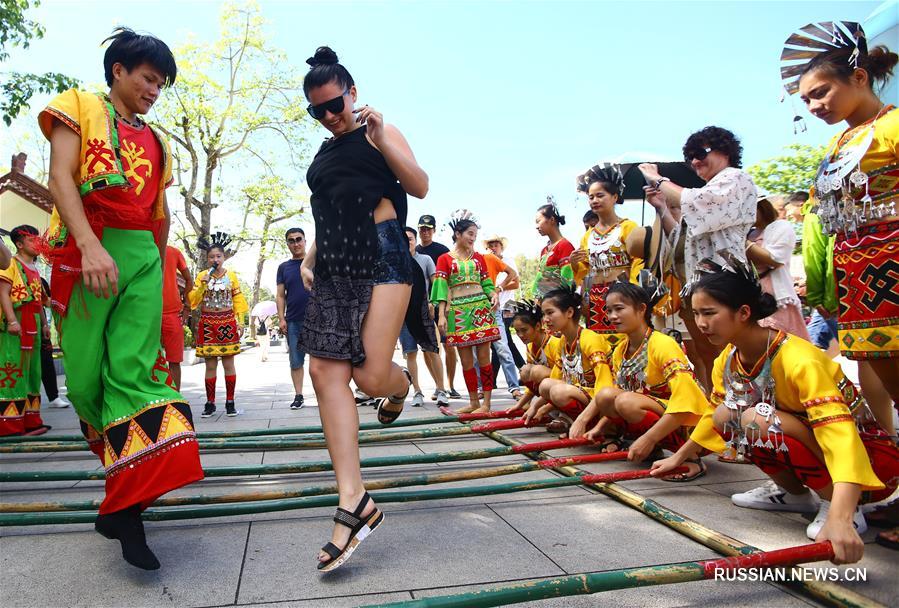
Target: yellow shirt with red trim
[610, 242]
[586, 367]
[21, 290]
[669, 377]
[806, 385]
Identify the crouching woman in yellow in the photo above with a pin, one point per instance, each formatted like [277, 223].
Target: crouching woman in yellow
[542, 350]
[791, 411]
[581, 369]
[217, 294]
[655, 394]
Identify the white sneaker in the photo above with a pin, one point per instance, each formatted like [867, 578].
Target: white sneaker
[772, 497]
[59, 402]
[858, 520]
[418, 400]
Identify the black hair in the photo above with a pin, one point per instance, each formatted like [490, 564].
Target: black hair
[735, 290]
[635, 294]
[550, 212]
[325, 68]
[461, 226]
[20, 232]
[798, 198]
[412, 230]
[528, 312]
[590, 216]
[292, 230]
[766, 209]
[565, 298]
[609, 177]
[878, 63]
[718, 139]
[132, 49]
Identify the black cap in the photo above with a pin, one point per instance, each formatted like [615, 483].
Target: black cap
[427, 221]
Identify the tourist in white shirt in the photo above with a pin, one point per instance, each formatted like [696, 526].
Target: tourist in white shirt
[716, 217]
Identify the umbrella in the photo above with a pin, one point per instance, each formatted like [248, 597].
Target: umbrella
[264, 309]
[678, 172]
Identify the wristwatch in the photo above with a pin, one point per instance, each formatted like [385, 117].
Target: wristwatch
[658, 182]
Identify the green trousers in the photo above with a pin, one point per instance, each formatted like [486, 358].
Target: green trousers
[20, 382]
[132, 417]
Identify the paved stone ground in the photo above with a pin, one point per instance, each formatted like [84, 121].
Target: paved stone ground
[423, 548]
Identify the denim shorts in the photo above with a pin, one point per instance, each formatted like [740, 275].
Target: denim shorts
[394, 262]
[296, 355]
[822, 330]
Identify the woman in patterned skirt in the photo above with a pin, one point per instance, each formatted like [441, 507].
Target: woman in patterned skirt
[465, 298]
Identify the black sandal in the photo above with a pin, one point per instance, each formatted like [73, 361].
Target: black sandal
[386, 416]
[359, 527]
[685, 477]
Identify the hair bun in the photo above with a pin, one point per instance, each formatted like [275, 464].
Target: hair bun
[324, 55]
[880, 63]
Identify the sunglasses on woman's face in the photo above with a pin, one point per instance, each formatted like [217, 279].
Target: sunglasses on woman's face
[700, 155]
[334, 106]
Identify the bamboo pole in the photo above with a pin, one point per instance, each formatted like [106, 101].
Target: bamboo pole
[316, 441]
[288, 430]
[828, 593]
[394, 482]
[448, 413]
[625, 578]
[308, 502]
[313, 466]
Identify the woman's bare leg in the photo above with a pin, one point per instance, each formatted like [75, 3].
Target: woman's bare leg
[340, 422]
[879, 393]
[379, 376]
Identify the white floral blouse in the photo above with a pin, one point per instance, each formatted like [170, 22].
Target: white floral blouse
[718, 217]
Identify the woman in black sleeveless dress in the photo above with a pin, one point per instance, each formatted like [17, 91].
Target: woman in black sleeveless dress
[360, 272]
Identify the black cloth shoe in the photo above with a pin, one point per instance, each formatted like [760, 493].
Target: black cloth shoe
[297, 403]
[230, 409]
[209, 410]
[126, 527]
[454, 394]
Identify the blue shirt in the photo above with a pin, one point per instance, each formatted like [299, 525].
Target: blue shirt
[296, 294]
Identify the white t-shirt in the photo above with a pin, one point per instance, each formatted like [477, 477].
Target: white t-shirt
[507, 295]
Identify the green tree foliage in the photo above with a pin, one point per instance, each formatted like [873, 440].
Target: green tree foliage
[237, 105]
[527, 272]
[17, 88]
[269, 201]
[791, 172]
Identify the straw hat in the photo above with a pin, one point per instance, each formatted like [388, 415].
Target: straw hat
[495, 237]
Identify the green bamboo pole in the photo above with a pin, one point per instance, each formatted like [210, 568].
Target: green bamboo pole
[257, 444]
[625, 578]
[311, 466]
[288, 430]
[827, 593]
[395, 482]
[314, 466]
[314, 441]
[308, 502]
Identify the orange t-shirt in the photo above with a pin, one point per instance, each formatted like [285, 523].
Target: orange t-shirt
[171, 299]
[494, 266]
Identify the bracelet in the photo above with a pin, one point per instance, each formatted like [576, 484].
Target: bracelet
[658, 182]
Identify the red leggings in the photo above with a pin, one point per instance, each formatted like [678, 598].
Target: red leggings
[813, 473]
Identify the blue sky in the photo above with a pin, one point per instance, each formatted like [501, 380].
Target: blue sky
[505, 102]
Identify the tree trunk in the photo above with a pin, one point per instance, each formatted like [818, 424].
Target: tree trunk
[260, 261]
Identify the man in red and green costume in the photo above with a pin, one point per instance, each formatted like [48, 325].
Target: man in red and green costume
[108, 174]
[22, 326]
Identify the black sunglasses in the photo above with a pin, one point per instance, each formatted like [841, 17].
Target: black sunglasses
[700, 155]
[296, 241]
[334, 106]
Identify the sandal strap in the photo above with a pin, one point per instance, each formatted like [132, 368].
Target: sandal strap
[361, 506]
[332, 550]
[344, 517]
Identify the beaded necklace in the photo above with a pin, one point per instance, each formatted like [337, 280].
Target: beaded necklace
[631, 375]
